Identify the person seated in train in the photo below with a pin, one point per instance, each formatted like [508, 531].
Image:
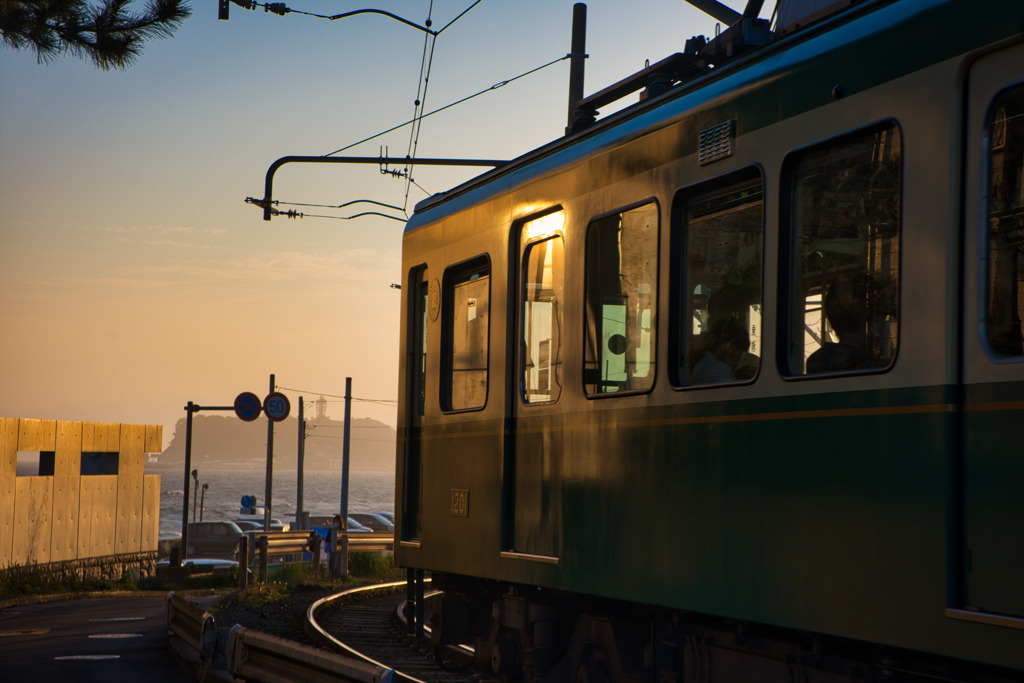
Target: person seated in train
[726, 342]
[846, 310]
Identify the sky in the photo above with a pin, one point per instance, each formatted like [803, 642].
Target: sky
[135, 278]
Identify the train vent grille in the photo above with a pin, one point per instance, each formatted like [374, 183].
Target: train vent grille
[716, 142]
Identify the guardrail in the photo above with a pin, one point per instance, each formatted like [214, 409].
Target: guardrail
[257, 656]
[339, 544]
[287, 543]
[380, 541]
[192, 624]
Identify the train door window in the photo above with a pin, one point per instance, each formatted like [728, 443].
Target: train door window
[1005, 292]
[541, 312]
[422, 295]
[843, 254]
[621, 300]
[467, 313]
[718, 340]
[421, 304]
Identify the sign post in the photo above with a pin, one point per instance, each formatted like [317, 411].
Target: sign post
[176, 560]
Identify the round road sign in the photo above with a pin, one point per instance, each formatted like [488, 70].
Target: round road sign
[247, 406]
[276, 406]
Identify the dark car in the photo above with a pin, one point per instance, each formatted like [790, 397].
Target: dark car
[374, 521]
[213, 540]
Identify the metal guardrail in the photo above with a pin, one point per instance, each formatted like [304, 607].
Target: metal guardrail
[339, 544]
[260, 657]
[192, 624]
[287, 543]
[380, 541]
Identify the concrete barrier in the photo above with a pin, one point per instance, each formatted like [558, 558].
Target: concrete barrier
[260, 657]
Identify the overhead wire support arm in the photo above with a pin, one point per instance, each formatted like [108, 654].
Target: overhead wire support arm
[425, 29]
[268, 193]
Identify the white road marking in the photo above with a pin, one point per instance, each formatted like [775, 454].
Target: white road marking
[118, 619]
[108, 636]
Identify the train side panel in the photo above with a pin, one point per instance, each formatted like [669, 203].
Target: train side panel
[879, 506]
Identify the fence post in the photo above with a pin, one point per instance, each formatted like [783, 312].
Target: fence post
[314, 551]
[264, 547]
[243, 561]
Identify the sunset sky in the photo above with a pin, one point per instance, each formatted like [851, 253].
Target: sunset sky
[133, 276]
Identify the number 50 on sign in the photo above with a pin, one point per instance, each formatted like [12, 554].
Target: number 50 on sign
[276, 406]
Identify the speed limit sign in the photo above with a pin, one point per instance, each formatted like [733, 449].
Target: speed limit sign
[276, 406]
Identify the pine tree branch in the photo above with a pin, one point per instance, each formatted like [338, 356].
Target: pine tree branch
[108, 34]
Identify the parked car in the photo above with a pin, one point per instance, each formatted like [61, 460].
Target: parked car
[375, 521]
[213, 540]
[256, 524]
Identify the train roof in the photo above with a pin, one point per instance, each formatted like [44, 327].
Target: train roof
[836, 55]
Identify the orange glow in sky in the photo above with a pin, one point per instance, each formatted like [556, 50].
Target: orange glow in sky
[133, 276]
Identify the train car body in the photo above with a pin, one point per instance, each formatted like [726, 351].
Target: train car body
[637, 440]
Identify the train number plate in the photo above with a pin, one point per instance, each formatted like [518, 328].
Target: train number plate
[460, 503]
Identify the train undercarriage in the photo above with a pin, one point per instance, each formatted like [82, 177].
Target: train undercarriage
[524, 633]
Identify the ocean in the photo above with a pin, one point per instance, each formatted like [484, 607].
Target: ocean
[368, 492]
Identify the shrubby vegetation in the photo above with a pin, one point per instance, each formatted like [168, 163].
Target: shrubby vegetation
[35, 579]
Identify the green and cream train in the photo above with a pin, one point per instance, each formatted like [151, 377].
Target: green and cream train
[729, 385]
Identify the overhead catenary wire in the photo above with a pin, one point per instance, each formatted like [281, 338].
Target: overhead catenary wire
[386, 401]
[500, 84]
[419, 113]
[426, 61]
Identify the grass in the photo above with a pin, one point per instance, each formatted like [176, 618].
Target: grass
[41, 579]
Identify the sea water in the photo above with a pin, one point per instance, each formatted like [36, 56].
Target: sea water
[368, 492]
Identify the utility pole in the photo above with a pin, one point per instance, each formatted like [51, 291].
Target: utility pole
[269, 487]
[345, 450]
[339, 561]
[299, 517]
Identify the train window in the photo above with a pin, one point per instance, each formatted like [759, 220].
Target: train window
[1005, 292]
[542, 298]
[721, 246]
[621, 296]
[467, 312]
[844, 254]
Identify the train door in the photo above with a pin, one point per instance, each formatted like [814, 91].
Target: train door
[533, 515]
[423, 302]
[993, 343]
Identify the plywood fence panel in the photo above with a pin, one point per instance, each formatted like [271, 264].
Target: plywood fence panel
[100, 515]
[128, 529]
[33, 499]
[150, 512]
[37, 435]
[8, 470]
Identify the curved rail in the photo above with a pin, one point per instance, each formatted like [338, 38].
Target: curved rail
[334, 643]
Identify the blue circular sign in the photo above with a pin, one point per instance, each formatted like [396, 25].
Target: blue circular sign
[247, 406]
[277, 406]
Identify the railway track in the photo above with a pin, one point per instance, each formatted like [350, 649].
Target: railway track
[365, 623]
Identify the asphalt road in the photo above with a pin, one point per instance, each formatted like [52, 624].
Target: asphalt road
[93, 639]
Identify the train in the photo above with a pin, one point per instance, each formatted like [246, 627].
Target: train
[728, 385]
